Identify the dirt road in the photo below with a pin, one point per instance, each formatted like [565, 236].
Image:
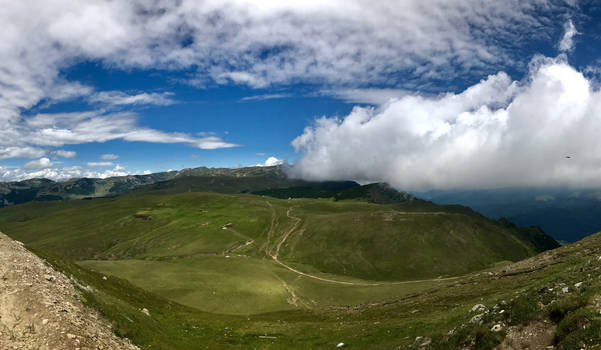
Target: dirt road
[297, 221]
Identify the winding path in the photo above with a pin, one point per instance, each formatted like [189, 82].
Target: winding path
[298, 220]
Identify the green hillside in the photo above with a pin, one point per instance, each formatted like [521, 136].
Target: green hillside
[556, 292]
[411, 240]
[248, 271]
[380, 193]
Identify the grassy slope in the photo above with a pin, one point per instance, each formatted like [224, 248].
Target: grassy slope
[180, 264]
[380, 242]
[398, 242]
[183, 253]
[531, 290]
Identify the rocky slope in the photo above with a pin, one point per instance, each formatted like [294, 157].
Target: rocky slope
[40, 308]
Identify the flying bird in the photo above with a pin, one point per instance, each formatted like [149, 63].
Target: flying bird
[568, 157]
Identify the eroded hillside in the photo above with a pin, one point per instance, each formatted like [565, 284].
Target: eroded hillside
[41, 309]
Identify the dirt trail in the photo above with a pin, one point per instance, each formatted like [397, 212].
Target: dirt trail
[298, 220]
[287, 234]
[39, 310]
[274, 217]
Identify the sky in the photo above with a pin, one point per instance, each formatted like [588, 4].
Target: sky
[438, 94]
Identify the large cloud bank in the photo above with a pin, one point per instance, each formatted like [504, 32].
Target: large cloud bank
[333, 44]
[496, 133]
[256, 43]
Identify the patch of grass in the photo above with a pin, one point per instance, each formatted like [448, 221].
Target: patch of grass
[523, 309]
[560, 309]
[579, 328]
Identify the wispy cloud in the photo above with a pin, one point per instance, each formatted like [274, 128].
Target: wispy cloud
[100, 164]
[10, 151]
[31, 137]
[119, 98]
[265, 97]
[63, 154]
[567, 41]
[109, 156]
[372, 96]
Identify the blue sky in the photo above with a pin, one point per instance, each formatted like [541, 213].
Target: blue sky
[422, 96]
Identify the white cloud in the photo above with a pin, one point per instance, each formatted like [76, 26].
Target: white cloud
[342, 43]
[260, 43]
[109, 156]
[56, 130]
[118, 98]
[18, 174]
[20, 152]
[147, 172]
[265, 97]
[567, 41]
[100, 164]
[64, 154]
[370, 96]
[58, 173]
[271, 161]
[39, 164]
[496, 133]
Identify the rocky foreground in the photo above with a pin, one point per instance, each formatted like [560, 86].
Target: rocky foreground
[40, 307]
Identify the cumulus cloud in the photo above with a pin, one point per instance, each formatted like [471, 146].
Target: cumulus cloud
[496, 133]
[42, 163]
[9, 173]
[19, 174]
[271, 161]
[567, 42]
[109, 156]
